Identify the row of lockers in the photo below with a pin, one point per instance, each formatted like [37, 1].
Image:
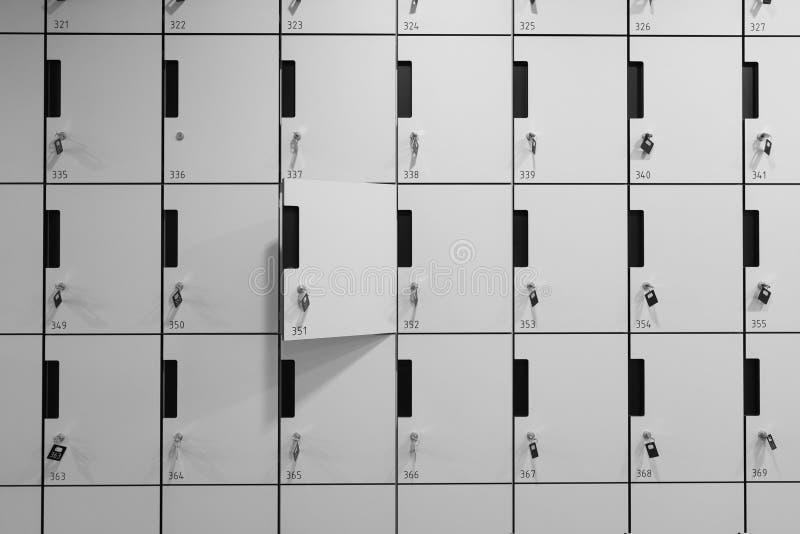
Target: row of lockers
[560, 253]
[555, 509]
[413, 409]
[679, 17]
[342, 108]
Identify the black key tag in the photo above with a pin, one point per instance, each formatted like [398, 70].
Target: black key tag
[767, 147]
[652, 451]
[56, 453]
[177, 298]
[647, 143]
[771, 442]
[59, 146]
[651, 298]
[57, 299]
[764, 293]
[534, 450]
[534, 298]
[305, 302]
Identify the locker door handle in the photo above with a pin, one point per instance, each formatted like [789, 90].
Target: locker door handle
[635, 90]
[169, 372]
[520, 89]
[636, 238]
[405, 226]
[404, 388]
[752, 241]
[51, 389]
[288, 89]
[287, 388]
[52, 231]
[291, 237]
[405, 90]
[750, 96]
[636, 397]
[171, 100]
[752, 386]
[170, 229]
[520, 238]
[53, 87]
[521, 388]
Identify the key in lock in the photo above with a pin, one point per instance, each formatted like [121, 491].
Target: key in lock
[647, 144]
[58, 142]
[303, 301]
[57, 297]
[177, 295]
[764, 293]
[533, 296]
[533, 445]
[58, 449]
[650, 294]
[650, 444]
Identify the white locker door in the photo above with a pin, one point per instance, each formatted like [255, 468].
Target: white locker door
[778, 111]
[460, 102]
[466, 509]
[102, 404]
[109, 126]
[692, 109]
[778, 261]
[21, 16]
[344, 240]
[460, 259]
[697, 435]
[338, 408]
[779, 398]
[213, 16]
[21, 249]
[771, 18]
[579, 135]
[103, 16]
[695, 508]
[20, 510]
[571, 508]
[573, 17]
[22, 86]
[227, 259]
[109, 240]
[21, 416]
[460, 405]
[338, 110]
[338, 16]
[124, 510]
[685, 17]
[362, 508]
[213, 509]
[225, 127]
[576, 245]
[575, 408]
[692, 259]
[453, 17]
[772, 508]
[220, 410]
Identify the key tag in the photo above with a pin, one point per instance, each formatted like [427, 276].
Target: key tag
[533, 447]
[414, 141]
[414, 294]
[650, 294]
[531, 137]
[647, 143]
[294, 450]
[765, 143]
[295, 143]
[769, 439]
[650, 444]
[302, 298]
[533, 296]
[175, 448]
[57, 298]
[58, 449]
[177, 296]
[58, 142]
[412, 447]
[764, 293]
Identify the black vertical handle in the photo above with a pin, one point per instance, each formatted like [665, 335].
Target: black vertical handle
[52, 232]
[170, 229]
[636, 238]
[51, 389]
[521, 388]
[405, 90]
[170, 88]
[404, 238]
[520, 238]
[404, 388]
[635, 90]
[750, 90]
[288, 89]
[520, 89]
[752, 386]
[636, 387]
[752, 239]
[287, 388]
[169, 383]
[291, 237]
[52, 80]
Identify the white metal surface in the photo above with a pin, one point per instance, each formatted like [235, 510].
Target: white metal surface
[771, 18]
[103, 16]
[706, 508]
[20, 510]
[571, 508]
[685, 17]
[360, 508]
[131, 510]
[201, 509]
[572, 17]
[467, 509]
[338, 16]
[21, 16]
[772, 508]
[453, 17]
[212, 16]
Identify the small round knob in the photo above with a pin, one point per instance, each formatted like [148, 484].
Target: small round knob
[530, 286]
[61, 286]
[647, 435]
[177, 438]
[647, 286]
[414, 436]
[179, 286]
[296, 436]
[179, 136]
[762, 434]
[531, 436]
[60, 438]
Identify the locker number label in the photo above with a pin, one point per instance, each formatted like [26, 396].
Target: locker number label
[177, 25]
[642, 324]
[758, 27]
[527, 25]
[299, 330]
[175, 475]
[294, 475]
[642, 175]
[177, 174]
[410, 325]
[59, 174]
[292, 174]
[644, 473]
[294, 25]
[527, 324]
[527, 175]
[758, 175]
[760, 472]
[411, 174]
[527, 473]
[60, 24]
[758, 323]
[410, 26]
[176, 325]
[58, 325]
[412, 474]
[57, 476]
[642, 27]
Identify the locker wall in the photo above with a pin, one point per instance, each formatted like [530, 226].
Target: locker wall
[399, 266]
